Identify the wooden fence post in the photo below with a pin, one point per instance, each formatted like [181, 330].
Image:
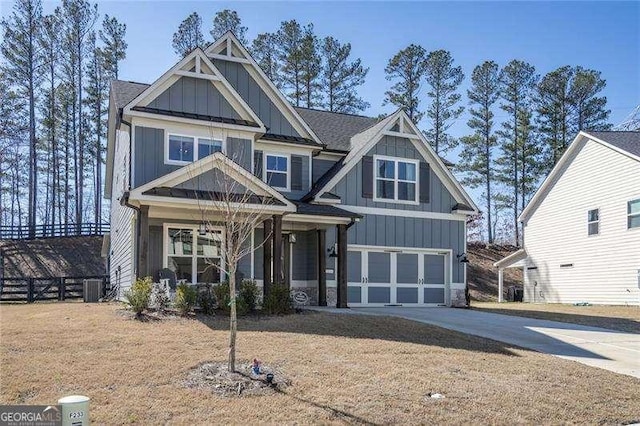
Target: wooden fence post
[30, 290]
[61, 289]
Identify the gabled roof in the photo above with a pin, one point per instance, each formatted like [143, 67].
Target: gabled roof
[515, 259]
[197, 65]
[335, 129]
[126, 91]
[362, 142]
[623, 142]
[229, 48]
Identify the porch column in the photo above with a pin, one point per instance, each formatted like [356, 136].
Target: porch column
[266, 257]
[500, 285]
[143, 242]
[322, 267]
[342, 267]
[277, 248]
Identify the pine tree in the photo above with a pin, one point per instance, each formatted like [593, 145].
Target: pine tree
[530, 152]
[407, 68]
[289, 55]
[311, 63]
[22, 68]
[341, 77]
[114, 51]
[517, 82]
[228, 20]
[263, 50]
[477, 149]
[590, 109]
[79, 17]
[97, 97]
[443, 80]
[49, 41]
[554, 113]
[189, 35]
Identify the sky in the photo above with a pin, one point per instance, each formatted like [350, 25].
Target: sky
[600, 35]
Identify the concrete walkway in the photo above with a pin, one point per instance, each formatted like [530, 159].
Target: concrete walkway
[597, 347]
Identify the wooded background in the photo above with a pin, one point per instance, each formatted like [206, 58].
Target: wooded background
[56, 71]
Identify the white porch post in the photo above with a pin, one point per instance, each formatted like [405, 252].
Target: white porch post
[500, 284]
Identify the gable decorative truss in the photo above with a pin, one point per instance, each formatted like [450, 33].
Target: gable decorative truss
[229, 48]
[399, 124]
[555, 174]
[215, 161]
[195, 65]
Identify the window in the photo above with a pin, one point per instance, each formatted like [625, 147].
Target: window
[180, 149]
[396, 179]
[208, 146]
[593, 222]
[184, 149]
[193, 256]
[633, 214]
[277, 171]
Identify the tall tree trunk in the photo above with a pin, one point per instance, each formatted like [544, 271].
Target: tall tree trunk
[80, 200]
[487, 145]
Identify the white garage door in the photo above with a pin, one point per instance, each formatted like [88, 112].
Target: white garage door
[393, 277]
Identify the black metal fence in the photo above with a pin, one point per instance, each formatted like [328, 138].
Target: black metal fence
[53, 230]
[31, 289]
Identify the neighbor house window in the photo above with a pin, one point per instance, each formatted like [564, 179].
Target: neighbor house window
[633, 214]
[277, 171]
[181, 149]
[208, 146]
[194, 257]
[396, 179]
[593, 222]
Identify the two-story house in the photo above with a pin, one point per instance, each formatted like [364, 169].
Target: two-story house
[366, 212]
[582, 226]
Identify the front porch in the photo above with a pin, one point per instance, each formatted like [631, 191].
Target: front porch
[306, 250]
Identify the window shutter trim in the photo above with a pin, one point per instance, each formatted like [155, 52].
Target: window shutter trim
[425, 182]
[296, 173]
[367, 176]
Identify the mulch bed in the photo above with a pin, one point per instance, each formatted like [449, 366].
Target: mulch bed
[216, 378]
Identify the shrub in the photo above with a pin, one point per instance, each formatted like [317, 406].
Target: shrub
[249, 294]
[221, 292]
[138, 296]
[278, 300]
[185, 298]
[206, 299]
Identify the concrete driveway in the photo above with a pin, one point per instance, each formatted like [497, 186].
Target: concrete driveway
[597, 347]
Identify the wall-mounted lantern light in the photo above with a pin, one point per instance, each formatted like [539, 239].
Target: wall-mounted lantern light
[333, 252]
[462, 257]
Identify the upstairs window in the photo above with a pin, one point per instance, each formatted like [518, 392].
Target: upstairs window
[396, 180]
[277, 171]
[181, 149]
[208, 146]
[633, 214]
[593, 222]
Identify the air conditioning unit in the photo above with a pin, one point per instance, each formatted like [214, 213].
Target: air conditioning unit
[92, 290]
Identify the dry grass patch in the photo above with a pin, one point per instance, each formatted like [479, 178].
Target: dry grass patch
[621, 318]
[342, 369]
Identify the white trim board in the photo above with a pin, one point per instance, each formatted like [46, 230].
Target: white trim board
[376, 211]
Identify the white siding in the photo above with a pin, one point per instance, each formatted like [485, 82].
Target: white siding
[605, 266]
[122, 218]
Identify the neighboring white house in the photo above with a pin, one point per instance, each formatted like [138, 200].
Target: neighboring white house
[582, 227]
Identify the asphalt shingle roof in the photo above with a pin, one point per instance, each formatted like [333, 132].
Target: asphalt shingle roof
[322, 210]
[624, 140]
[335, 129]
[126, 91]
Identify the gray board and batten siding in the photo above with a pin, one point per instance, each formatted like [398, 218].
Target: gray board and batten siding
[194, 96]
[400, 231]
[149, 152]
[255, 97]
